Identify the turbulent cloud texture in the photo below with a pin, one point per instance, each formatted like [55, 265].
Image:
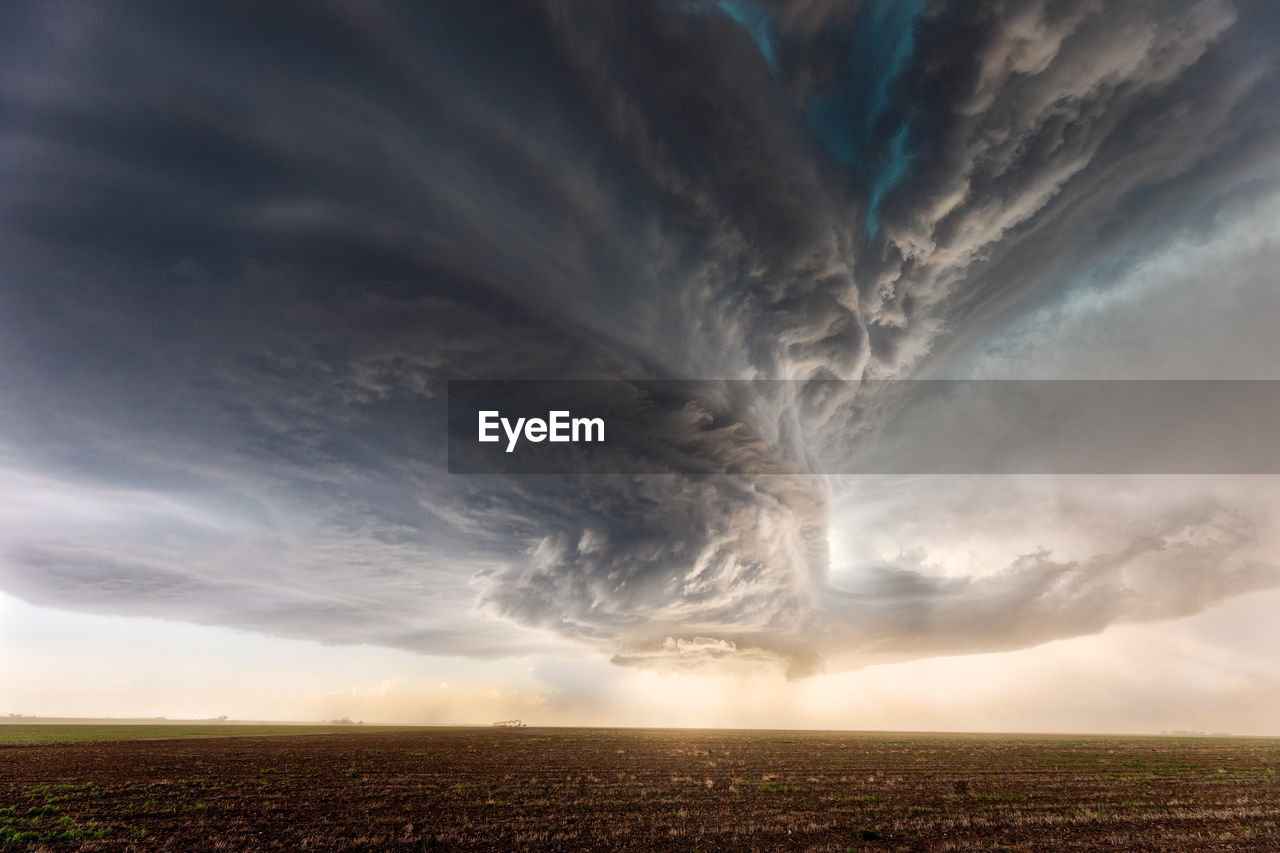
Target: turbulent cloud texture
[244, 246]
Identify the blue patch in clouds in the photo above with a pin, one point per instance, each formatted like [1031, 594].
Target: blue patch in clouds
[891, 168]
[757, 22]
[754, 19]
[847, 119]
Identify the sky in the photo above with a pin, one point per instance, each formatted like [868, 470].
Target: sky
[244, 248]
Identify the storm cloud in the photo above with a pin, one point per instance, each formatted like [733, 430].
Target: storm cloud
[244, 247]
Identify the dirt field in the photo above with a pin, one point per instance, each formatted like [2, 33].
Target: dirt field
[585, 789]
[36, 734]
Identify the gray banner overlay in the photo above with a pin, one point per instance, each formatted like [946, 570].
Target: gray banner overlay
[868, 427]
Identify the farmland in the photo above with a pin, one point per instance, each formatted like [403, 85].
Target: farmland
[17, 734]
[578, 789]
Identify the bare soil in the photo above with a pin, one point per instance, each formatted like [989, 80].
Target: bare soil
[596, 789]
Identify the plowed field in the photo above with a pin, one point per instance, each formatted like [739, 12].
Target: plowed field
[596, 789]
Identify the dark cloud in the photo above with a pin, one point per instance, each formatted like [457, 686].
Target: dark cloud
[244, 248]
